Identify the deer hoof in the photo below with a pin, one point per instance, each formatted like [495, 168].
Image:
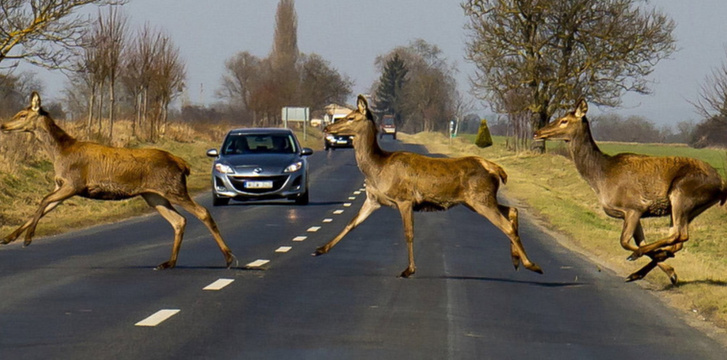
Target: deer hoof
[635, 255]
[535, 268]
[320, 251]
[230, 258]
[674, 279]
[27, 242]
[407, 272]
[166, 265]
[634, 277]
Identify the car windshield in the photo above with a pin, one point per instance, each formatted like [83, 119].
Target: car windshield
[258, 144]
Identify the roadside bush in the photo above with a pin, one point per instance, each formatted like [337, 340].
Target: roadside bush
[484, 139]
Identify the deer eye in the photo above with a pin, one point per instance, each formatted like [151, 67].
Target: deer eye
[563, 122]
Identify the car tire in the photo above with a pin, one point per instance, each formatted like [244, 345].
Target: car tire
[218, 201]
[302, 199]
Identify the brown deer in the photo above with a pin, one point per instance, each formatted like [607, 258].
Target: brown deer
[631, 187]
[412, 182]
[101, 172]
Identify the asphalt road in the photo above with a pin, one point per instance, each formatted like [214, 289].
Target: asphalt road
[82, 295]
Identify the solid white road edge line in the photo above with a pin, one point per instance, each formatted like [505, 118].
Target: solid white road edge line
[218, 284]
[158, 317]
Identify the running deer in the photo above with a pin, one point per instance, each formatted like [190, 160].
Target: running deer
[631, 187]
[101, 172]
[412, 182]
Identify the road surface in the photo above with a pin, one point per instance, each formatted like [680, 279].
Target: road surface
[93, 294]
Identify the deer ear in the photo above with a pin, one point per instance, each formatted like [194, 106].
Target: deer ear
[35, 101]
[581, 108]
[362, 105]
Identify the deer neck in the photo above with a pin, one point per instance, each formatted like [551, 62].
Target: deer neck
[588, 158]
[54, 138]
[369, 156]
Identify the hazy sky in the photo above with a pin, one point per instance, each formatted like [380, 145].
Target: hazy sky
[351, 33]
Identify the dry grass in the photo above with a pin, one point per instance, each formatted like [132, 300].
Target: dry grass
[26, 175]
[549, 187]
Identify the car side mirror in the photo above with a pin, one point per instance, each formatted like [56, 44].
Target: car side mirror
[306, 152]
[213, 153]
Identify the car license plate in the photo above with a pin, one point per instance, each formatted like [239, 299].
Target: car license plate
[258, 184]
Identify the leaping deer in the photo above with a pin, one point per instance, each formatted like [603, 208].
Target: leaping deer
[631, 187]
[412, 182]
[101, 172]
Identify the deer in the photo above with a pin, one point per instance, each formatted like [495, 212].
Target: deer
[413, 182]
[632, 186]
[100, 172]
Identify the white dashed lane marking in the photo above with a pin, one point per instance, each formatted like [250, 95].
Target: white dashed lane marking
[158, 317]
[351, 198]
[338, 212]
[346, 204]
[300, 238]
[257, 263]
[283, 249]
[327, 220]
[314, 228]
[219, 284]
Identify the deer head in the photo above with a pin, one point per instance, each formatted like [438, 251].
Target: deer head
[355, 121]
[565, 127]
[27, 119]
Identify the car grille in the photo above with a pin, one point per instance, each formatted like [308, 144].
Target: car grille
[239, 183]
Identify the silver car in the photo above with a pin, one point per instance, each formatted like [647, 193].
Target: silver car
[260, 163]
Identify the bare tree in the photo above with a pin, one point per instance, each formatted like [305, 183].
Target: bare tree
[321, 84]
[241, 80]
[112, 42]
[42, 31]
[429, 94]
[562, 50]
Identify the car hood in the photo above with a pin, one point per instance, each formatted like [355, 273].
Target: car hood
[269, 163]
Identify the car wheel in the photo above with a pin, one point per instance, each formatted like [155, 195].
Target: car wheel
[218, 201]
[303, 199]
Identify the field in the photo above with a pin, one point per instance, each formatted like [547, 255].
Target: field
[550, 189]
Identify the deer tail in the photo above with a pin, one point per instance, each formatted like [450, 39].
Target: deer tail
[494, 169]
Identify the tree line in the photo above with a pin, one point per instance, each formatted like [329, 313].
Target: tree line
[532, 58]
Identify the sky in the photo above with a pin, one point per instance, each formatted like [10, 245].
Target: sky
[350, 34]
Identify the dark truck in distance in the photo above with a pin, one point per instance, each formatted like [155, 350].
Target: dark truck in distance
[387, 126]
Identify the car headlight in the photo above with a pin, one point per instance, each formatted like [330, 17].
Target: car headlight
[224, 169]
[330, 137]
[293, 167]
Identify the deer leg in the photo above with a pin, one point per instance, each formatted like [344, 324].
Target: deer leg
[514, 253]
[679, 233]
[15, 234]
[201, 213]
[502, 217]
[368, 207]
[407, 218]
[48, 203]
[656, 259]
[178, 222]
